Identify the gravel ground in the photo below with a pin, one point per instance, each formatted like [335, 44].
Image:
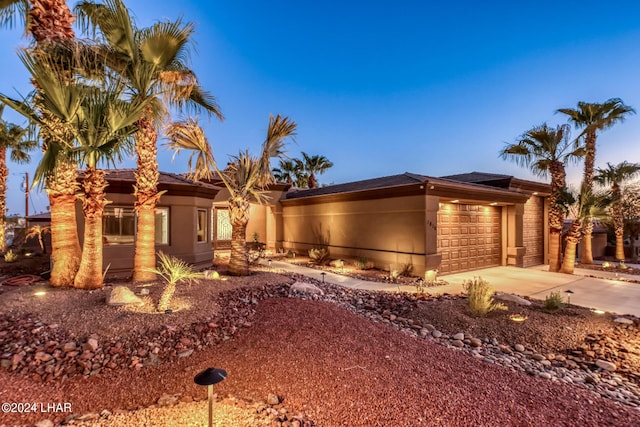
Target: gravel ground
[323, 364]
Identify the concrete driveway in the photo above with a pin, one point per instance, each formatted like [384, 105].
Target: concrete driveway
[607, 294]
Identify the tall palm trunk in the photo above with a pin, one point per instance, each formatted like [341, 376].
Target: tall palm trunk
[572, 239]
[586, 257]
[313, 183]
[65, 247]
[587, 183]
[146, 194]
[556, 214]
[52, 21]
[4, 173]
[239, 215]
[618, 220]
[90, 272]
[555, 250]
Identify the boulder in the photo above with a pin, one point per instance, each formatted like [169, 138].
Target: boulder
[623, 320]
[512, 298]
[121, 295]
[607, 366]
[307, 288]
[211, 274]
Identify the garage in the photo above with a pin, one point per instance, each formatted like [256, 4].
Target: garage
[468, 237]
[533, 231]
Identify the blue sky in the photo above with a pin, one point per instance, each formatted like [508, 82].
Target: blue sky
[382, 88]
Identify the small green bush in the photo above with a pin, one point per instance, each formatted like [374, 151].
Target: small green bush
[173, 271]
[553, 302]
[406, 270]
[10, 256]
[362, 263]
[480, 297]
[319, 256]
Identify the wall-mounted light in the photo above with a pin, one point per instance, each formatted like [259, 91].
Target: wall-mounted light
[535, 193]
[493, 203]
[455, 201]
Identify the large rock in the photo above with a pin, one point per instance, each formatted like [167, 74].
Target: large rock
[121, 295]
[512, 298]
[607, 366]
[307, 288]
[623, 320]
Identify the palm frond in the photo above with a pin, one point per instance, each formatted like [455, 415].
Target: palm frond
[188, 135]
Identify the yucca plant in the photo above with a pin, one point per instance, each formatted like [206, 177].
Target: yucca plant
[10, 256]
[173, 271]
[480, 297]
[319, 256]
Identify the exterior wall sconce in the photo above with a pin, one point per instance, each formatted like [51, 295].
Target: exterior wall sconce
[209, 377]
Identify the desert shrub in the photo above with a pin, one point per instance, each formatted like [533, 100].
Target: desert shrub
[173, 271]
[406, 270]
[362, 263]
[319, 256]
[10, 256]
[480, 297]
[394, 275]
[553, 301]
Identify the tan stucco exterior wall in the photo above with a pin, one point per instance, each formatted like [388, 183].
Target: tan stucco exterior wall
[182, 238]
[390, 232]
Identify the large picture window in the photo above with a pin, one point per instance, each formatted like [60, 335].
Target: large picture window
[119, 225]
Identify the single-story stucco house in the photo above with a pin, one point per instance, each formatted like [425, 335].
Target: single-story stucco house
[447, 224]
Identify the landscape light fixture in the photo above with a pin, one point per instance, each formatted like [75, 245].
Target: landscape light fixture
[323, 274]
[568, 292]
[209, 377]
[269, 263]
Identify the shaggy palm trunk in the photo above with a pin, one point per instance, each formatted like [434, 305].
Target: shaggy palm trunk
[556, 214]
[239, 215]
[89, 274]
[146, 194]
[587, 184]
[65, 247]
[618, 221]
[165, 298]
[313, 183]
[555, 250]
[52, 21]
[587, 242]
[4, 173]
[572, 239]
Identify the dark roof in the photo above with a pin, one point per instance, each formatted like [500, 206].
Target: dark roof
[477, 177]
[122, 180]
[475, 183]
[40, 217]
[367, 184]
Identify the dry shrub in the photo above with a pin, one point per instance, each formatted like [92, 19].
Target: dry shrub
[480, 297]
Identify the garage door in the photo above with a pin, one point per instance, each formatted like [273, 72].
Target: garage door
[533, 233]
[468, 237]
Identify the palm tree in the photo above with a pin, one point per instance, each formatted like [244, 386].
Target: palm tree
[546, 151]
[15, 139]
[592, 118]
[95, 124]
[246, 177]
[38, 231]
[50, 22]
[614, 176]
[291, 172]
[630, 201]
[313, 165]
[152, 60]
[588, 205]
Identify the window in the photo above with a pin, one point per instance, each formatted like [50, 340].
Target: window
[119, 225]
[162, 226]
[223, 225]
[201, 235]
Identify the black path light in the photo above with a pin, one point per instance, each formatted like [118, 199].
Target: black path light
[269, 262]
[568, 292]
[323, 274]
[209, 377]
